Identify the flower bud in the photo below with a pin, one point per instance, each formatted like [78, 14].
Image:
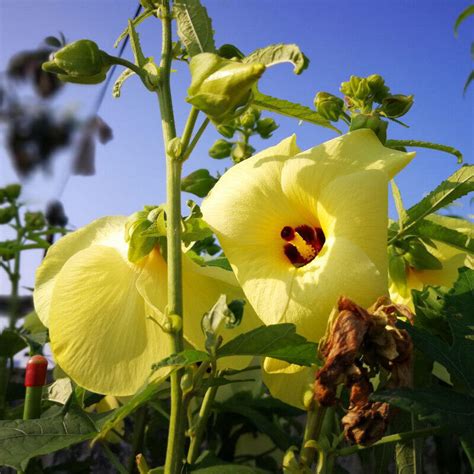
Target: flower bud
[249, 118]
[241, 151]
[12, 191]
[374, 122]
[329, 106]
[6, 214]
[175, 148]
[377, 87]
[81, 62]
[34, 220]
[226, 130]
[221, 88]
[220, 149]
[397, 105]
[356, 88]
[266, 126]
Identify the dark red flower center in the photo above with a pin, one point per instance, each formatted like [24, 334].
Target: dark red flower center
[304, 243]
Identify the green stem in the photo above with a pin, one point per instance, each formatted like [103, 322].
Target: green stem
[32, 409]
[188, 128]
[195, 139]
[394, 438]
[127, 64]
[138, 435]
[314, 423]
[176, 435]
[200, 426]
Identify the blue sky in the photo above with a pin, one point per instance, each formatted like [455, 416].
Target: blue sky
[409, 42]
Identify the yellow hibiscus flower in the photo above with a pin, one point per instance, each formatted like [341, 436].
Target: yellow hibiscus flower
[302, 228]
[96, 304]
[451, 259]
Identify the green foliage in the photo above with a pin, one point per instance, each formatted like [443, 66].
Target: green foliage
[199, 182]
[279, 341]
[290, 109]
[279, 53]
[124, 75]
[464, 15]
[21, 440]
[457, 185]
[421, 144]
[194, 27]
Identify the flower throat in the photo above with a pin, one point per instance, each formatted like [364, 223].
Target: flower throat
[304, 243]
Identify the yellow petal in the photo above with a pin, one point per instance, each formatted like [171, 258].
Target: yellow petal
[342, 268]
[104, 231]
[100, 334]
[202, 287]
[288, 382]
[356, 151]
[362, 218]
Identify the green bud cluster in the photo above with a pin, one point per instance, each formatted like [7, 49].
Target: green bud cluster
[80, 62]
[220, 87]
[367, 100]
[34, 220]
[248, 124]
[329, 106]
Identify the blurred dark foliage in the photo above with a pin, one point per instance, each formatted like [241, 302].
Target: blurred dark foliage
[34, 132]
[26, 66]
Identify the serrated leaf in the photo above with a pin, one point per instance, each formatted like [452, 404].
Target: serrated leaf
[290, 109]
[457, 357]
[194, 27]
[279, 53]
[397, 197]
[466, 13]
[457, 185]
[135, 45]
[124, 75]
[458, 233]
[279, 341]
[136, 21]
[21, 440]
[199, 182]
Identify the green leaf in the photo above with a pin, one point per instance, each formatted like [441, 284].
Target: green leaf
[10, 343]
[195, 228]
[136, 21]
[457, 185]
[458, 356]
[145, 394]
[397, 197]
[135, 45]
[124, 75]
[279, 53]
[194, 27]
[199, 182]
[290, 109]
[456, 232]
[21, 440]
[182, 359]
[279, 341]
[422, 144]
[469, 79]
[140, 245]
[439, 406]
[466, 13]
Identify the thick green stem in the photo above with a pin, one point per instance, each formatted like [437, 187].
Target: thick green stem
[201, 422]
[175, 448]
[314, 423]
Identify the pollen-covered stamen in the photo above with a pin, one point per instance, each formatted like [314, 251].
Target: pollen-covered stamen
[304, 243]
